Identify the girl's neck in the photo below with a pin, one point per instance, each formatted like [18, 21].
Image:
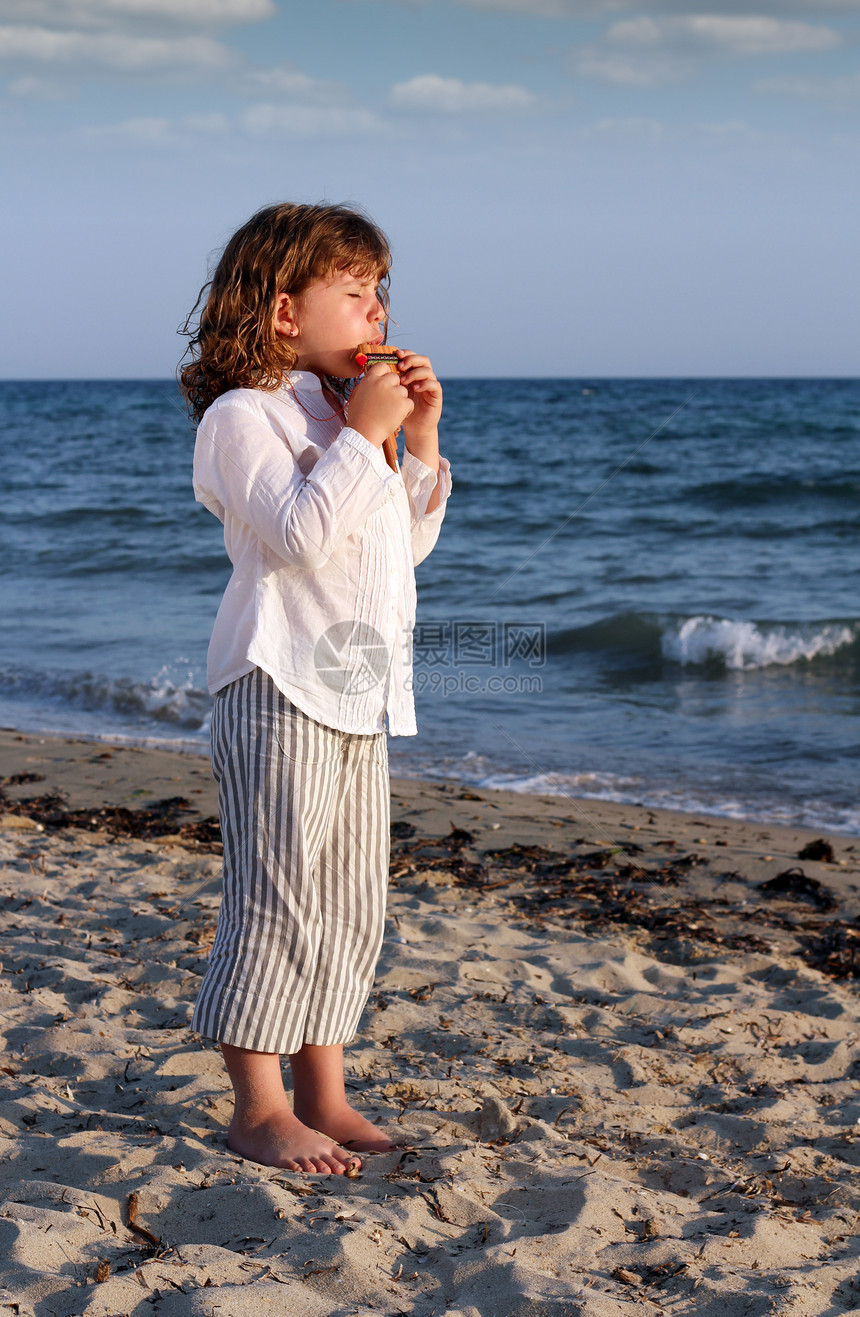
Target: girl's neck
[329, 397]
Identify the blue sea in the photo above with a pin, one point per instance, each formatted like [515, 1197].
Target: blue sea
[644, 590]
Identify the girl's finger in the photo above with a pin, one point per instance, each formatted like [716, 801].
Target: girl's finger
[410, 359]
[419, 373]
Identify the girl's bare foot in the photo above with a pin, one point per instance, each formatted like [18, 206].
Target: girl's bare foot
[341, 1122]
[282, 1140]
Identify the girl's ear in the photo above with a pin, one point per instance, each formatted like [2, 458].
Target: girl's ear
[283, 320]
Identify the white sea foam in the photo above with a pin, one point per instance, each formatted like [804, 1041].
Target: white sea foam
[169, 699]
[746, 645]
[575, 788]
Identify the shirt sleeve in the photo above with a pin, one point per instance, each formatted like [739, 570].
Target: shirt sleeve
[242, 467]
[420, 481]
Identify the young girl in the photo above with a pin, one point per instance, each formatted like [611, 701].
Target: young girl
[311, 647]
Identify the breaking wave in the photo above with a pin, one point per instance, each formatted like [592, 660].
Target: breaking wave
[705, 640]
[163, 700]
[741, 646]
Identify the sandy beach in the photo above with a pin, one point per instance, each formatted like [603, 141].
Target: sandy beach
[621, 1045]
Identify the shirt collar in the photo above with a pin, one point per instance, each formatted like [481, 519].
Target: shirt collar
[305, 380]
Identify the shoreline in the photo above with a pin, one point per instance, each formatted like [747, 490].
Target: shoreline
[621, 1043]
[480, 837]
[98, 771]
[139, 762]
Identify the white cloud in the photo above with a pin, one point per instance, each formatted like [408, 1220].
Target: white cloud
[536, 8]
[149, 131]
[429, 92]
[41, 89]
[607, 8]
[842, 88]
[281, 123]
[725, 34]
[87, 13]
[287, 122]
[156, 130]
[729, 128]
[630, 126]
[650, 51]
[206, 123]
[112, 50]
[132, 36]
[306, 107]
[630, 70]
[295, 86]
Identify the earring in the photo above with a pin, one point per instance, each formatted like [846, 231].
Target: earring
[293, 333]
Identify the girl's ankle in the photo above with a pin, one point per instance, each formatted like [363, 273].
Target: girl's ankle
[249, 1118]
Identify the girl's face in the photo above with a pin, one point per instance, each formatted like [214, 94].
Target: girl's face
[332, 317]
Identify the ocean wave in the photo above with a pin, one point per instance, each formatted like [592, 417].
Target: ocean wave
[163, 699]
[636, 634]
[704, 640]
[757, 490]
[743, 646]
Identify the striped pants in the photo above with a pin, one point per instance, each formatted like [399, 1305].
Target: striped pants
[305, 818]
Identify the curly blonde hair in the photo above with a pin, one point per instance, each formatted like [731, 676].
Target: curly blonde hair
[282, 249]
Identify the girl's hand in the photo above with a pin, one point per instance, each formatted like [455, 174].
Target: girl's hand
[379, 404]
[425, 393]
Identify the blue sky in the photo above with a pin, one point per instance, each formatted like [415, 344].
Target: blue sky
[571, 187]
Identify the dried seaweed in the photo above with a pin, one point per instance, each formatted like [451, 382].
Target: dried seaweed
[602, 904]
[21, 779]
[594, 888]
[836, 952]
[599, 889]
[795, 883]
[820, 849]
[161, 819]
[440, 853]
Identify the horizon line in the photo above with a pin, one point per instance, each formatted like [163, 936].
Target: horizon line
[167, 379]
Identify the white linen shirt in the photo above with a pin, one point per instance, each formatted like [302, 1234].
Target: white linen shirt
[323, 537]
